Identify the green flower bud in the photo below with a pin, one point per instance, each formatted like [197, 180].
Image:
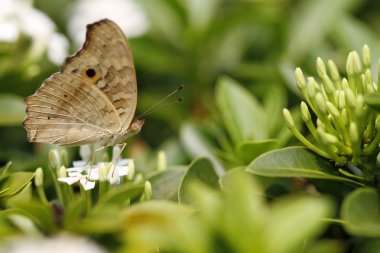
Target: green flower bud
[62, 172]
[369, 81]
[103, 171]
[341, 99]
[321, 69]
[353, 65]
[288, 118]
[64, 158]
[345, 85]
[39, 177]
[147, 191]
[353, 130]
[305, 112]
[311, 87]
[131, 170]
[300, 79]
[328, 85]
[350, 98]
[344, 117]
[54, 159]
[161, 161]
[321, 103]
[332, 109]
[366, 57]
[333, 71]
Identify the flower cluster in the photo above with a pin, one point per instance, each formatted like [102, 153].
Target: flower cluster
[87, 174]
[345, 129]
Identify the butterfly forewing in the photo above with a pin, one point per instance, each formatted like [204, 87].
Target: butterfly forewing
[106, 60]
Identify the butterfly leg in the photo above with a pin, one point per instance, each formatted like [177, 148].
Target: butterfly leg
[116, 158]
[93, 160]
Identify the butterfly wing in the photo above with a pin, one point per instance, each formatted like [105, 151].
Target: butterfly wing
[68, 110]
[106, 60]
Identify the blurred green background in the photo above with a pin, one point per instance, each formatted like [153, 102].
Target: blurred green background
[255, 43]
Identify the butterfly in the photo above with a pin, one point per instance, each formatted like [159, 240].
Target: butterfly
[92, 99]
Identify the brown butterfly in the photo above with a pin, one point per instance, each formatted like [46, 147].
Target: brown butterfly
[92, 99]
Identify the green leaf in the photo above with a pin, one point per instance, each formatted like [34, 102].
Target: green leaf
[12, 110]
[196, 145]
[118, 196]
[307, 28]
[295, 162]
[165, 184]
[200, 170]
[361, 213]
[14, 183]
[302, 212]
[41, 215]
[242, 114]
[249, 150]
[373, 100]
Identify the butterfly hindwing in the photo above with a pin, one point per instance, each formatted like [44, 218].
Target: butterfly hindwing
[67, 110]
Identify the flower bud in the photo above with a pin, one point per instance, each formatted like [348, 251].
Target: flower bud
[321, 69]
[54, 159]
[39, 177]
[161, 161]
[300, 79]
[353, 65]
[131, 170]
[366, 57]
[305, 112]
[288, 118]
[333, 70]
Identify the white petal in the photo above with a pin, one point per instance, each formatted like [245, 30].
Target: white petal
[113, 175]
[124, 162]
[87, 184]
[123, 170]
[79, 163]
[69, 180]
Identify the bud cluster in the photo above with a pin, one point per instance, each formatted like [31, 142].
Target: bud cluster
[345, 129]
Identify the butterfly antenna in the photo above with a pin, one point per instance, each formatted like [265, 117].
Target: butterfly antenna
[155, 105]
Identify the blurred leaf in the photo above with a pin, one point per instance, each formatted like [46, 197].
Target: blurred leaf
[274, 102]
[326, 246]
[307, 28]
[295, 162]
[196, 145]
[14, 183]
[12, 110]
[100, 221]
[303, 212]
[165, 184]
[242, 114]
[368, 246]
[249, 150]
[361, 213]
[200, 170]
[373, 100]
[118, 196]
[40, 214]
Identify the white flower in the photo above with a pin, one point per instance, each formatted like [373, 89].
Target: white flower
[86, 175]
[128, 14]
[57, 244]
[19, 17]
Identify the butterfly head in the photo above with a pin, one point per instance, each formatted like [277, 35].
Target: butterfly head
[135, 126]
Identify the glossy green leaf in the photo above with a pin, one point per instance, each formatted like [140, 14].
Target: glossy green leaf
[249, 150]
[165, 184]
[196, 145]
[242, 114]
[361, 213]
[14, 183]
[295, 162]
[12, 110]
[200, 170]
